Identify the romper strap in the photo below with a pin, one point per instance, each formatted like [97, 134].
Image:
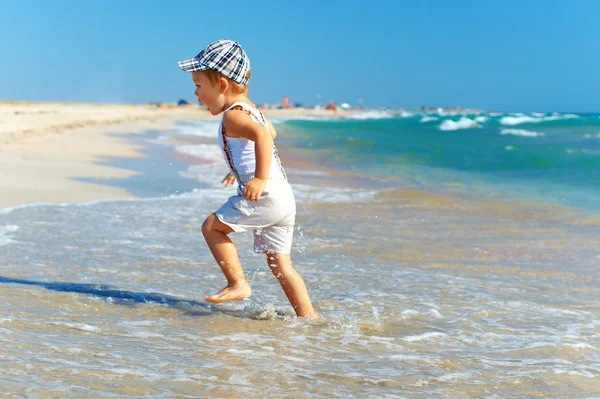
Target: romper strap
[226, 149]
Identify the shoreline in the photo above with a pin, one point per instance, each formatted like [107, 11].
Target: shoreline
[60, 152]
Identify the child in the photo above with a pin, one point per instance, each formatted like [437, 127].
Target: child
[265, 202]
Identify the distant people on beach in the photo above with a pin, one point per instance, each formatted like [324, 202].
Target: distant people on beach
[264, 202]
[333, 107]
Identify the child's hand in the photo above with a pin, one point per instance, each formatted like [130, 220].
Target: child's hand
[229, 179]
[254, 189]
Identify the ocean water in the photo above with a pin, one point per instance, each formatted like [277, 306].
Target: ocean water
[548, 157]
[451, 256]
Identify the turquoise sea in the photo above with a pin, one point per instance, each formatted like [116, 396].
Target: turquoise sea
[541, 156]
[450, 255]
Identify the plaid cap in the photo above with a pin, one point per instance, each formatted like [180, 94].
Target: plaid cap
[224, 56]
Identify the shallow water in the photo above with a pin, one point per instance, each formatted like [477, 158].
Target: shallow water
[423, 294]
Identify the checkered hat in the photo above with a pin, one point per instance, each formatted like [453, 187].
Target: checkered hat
[224, 56]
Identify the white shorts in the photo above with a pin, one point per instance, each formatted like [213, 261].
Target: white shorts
[272, 218]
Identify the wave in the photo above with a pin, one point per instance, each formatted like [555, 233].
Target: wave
[428, 119]
[5, 231]
[210, 152]
[521, 132]
[209, 174]
[589, 136]
[206, 128]
[319, 118]
[372, 115]
[521, 118]
[330, 194]
[517, 120]
[462, 123]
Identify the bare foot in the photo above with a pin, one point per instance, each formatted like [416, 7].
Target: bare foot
[312, 316]
[235, 292]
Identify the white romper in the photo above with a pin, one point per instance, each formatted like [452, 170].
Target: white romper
[272, 217]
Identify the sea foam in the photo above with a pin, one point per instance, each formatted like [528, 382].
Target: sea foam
[305, 192]
[462, 123]
[5, 234]
[519, 119]
[206, 128]
[521, 132]
[428, 119]
[372, 115]
[209, 152]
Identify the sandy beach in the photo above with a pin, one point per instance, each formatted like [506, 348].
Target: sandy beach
[45, 146]
[433, 279]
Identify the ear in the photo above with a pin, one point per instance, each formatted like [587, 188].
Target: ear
[223, 85]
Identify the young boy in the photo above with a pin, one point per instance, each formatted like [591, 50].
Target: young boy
[265, 202]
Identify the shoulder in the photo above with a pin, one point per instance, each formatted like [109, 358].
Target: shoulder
[238, 123]
[235, 119]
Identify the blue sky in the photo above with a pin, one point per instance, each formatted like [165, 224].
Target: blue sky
[520, 55]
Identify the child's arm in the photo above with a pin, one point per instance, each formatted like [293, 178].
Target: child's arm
[238, 124]
[229, 179]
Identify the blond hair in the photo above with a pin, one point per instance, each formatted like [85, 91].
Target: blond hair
[235, 87]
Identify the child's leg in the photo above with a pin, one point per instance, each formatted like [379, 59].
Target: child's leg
[292, 284]
[215, 232]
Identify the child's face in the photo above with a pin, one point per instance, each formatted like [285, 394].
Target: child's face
[208, 94]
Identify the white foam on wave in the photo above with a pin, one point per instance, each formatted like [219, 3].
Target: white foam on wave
[428, 336]
[210, 174]
[517, 120]
[79, 326]
[205, 128]
[426, 119]
[312, 118]
[305, 172]
[305, 192]
[579, 373]
[6, 211]
[462, 123]
[146, 335]
[456, 377]
[555, 117]
[414, 314]
[521, 132]
[590, 136]
[5, 234]
[521, 118]
[372, 115]
[209, 152]
[581, 346]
